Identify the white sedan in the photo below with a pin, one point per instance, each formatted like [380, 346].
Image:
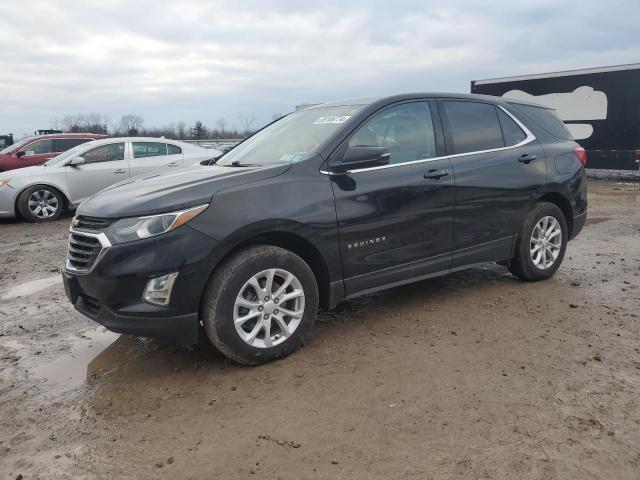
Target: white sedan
[43, 192]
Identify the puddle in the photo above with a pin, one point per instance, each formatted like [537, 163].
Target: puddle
[72, 367]
[34, 286]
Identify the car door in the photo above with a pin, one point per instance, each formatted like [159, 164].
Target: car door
[150, 156]
[395, 221]
[104, 165]
[498, 166]
[36, 153]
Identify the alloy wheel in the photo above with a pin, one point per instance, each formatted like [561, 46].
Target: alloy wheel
[43, 204]
[269, 308]
[546, 242]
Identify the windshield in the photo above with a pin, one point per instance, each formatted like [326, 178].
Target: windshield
[75, 151]
[16, 145]
[290, 139]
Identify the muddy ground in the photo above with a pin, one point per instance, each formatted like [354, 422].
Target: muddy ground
[474, 375]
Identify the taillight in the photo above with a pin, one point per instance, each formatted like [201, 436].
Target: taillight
[581, 153]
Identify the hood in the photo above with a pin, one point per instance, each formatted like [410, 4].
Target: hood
[36, 170]
[165, 191]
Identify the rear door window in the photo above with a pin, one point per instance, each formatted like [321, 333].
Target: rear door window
[471, 126]
[149, 149]
[546, 119]
[512, 133]
[64, 144]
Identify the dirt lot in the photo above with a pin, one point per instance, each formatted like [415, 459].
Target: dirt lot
[475, 375]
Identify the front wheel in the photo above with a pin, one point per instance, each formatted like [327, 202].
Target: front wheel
[259, 305]
[541, 243]
[40, 203]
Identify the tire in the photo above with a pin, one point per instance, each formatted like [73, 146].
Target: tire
[529, 263]
[49, 206]
[229, 298]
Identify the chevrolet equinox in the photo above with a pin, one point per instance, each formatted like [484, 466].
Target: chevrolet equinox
[325, 204]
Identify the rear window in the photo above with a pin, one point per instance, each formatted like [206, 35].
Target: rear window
[547, 120]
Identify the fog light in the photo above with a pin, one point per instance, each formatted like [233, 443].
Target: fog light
[158, 290]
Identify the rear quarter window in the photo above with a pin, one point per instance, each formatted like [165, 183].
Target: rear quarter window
[546, 119]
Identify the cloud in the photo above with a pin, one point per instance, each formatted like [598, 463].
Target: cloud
[189, 60]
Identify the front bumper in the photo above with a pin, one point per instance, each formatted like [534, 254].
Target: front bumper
[111, 293]
[8, 201]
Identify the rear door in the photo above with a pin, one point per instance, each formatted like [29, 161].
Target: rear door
[150, 156]
[104, 166]
[499, 166]
[395, 221]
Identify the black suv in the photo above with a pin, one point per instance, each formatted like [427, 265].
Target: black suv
[328, 203]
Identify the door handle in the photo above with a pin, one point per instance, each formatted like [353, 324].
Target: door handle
[526, 158]
[436, 174]
[172, 164]
[120, 170]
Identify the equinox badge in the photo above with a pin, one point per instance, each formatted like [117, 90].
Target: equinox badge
[366, 243]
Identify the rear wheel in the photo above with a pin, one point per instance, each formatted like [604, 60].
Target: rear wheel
[259, 305]
[541, 243]
[40, 203]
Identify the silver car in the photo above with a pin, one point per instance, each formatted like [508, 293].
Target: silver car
[43, 192]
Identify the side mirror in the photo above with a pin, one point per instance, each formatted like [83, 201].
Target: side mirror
[75, 161]
[362, 157]
[22, 153]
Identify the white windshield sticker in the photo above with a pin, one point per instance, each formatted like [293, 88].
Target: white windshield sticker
[332, 119]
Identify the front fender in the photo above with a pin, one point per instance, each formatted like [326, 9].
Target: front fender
[62, 188]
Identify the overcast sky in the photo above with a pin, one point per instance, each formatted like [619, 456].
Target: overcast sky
[202, 59]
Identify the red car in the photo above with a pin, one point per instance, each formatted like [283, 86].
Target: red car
[36, 150]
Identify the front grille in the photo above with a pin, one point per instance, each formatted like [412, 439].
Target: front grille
[92, 223]
[83, 252]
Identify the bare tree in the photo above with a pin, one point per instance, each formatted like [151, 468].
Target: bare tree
[181, 130]
[221, 126]
[131, 124]
[55, 123]
[72, 123]
[95, 123]
[246, 122]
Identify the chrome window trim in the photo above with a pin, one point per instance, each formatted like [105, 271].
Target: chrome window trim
[530, 137]
[104, 242]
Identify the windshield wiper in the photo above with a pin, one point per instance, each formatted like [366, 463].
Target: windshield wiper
[236, 163]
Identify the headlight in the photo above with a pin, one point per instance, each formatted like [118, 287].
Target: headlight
[4, 182]
[137, 228]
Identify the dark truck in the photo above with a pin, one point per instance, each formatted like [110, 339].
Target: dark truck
[601, 107]
[6, 140]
